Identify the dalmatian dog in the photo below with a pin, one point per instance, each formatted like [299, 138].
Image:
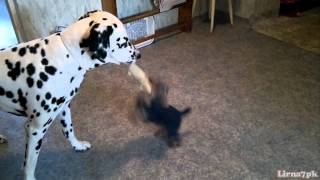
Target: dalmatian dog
[39, 78]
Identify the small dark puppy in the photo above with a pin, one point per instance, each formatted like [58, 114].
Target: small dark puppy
[155, 109]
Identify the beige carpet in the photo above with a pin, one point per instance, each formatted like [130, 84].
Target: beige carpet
[303, 31]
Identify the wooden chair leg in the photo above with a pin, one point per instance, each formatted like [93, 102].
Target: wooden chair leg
[194, 6]
[110, 6]
[185, 16]
[230, 11]
[213, 6]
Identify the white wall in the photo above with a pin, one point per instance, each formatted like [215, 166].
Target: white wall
[38, 18]
[131, 7]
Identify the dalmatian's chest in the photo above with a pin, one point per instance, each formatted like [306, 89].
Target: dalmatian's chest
[40, 74]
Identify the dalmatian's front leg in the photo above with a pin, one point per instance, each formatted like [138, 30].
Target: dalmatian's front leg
[65, 119]
[3, 139]
[36, 128]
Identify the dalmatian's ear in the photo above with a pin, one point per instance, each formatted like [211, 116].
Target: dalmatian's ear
[97, 43]
[88, 14]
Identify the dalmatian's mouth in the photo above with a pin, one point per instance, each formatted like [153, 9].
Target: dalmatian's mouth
[101, 60]
[130, 62]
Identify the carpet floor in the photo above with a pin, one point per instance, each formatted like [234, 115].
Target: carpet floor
[255, 110]
[302, 31]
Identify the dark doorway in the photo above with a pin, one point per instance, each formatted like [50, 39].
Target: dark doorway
[293, 8]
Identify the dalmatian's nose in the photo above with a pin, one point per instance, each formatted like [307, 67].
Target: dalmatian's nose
[138, 56]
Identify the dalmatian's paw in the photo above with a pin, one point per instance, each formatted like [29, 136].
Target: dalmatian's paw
[81, 146]
[3, 140]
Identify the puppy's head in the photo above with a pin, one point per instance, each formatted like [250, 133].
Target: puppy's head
[106, 39]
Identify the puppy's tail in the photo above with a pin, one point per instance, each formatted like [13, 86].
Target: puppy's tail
[185, 111]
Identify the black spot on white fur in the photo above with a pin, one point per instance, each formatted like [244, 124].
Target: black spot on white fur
[39, 84]
[39, 145]
[30, 69]
[63, 123]
[22, 51]
[14, 70]
[43, 76]
[124, 44]
[72, 78]
[30, 82]
[14, 49]
[43, 53]
[22, 99]
[9, 94]
[44, 61]
[48, 122]
[48, 95]
[97, 42]
[33, 49]
[50, 70]
[2, 91]
[87, 14]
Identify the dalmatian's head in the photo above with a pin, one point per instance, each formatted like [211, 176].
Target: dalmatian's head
[107, 40]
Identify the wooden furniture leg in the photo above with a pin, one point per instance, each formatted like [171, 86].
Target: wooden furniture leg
[185, 16]
[213, 7]
[212, 10]
[110, 6]
[194, 6]
[230, 11]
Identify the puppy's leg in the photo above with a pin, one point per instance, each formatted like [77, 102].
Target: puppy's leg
[35, 130]
[65, 119]
[173, 139]
[3, 139]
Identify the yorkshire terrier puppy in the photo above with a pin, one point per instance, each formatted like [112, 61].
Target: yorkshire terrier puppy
[155, 109]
